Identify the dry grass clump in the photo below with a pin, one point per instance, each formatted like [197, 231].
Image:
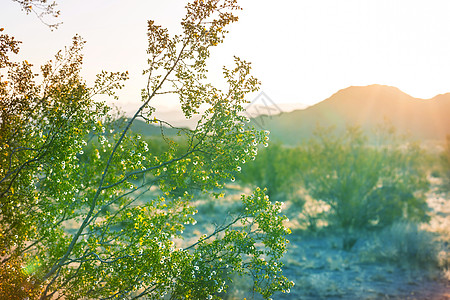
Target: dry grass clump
[404, 243]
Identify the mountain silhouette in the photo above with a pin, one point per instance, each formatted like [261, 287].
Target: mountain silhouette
[368, 107]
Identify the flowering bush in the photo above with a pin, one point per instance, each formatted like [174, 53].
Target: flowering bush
[77, 219]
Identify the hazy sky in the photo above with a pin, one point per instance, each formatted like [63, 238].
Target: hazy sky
[302, 51]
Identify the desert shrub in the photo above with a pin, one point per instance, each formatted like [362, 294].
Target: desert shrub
[403, 243]
[445, 159]
[366, 186]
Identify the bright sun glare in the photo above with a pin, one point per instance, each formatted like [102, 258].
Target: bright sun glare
[302, 51]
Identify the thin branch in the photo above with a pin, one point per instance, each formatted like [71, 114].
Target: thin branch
[216, 231]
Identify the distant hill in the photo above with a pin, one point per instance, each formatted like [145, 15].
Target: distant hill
[368, 107]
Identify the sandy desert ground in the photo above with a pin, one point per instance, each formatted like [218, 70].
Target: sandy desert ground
[403, 262]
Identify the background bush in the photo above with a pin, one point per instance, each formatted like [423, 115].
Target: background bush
[366, 185]
[445, 159]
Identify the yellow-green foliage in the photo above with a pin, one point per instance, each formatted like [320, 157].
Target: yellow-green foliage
[77, 218]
